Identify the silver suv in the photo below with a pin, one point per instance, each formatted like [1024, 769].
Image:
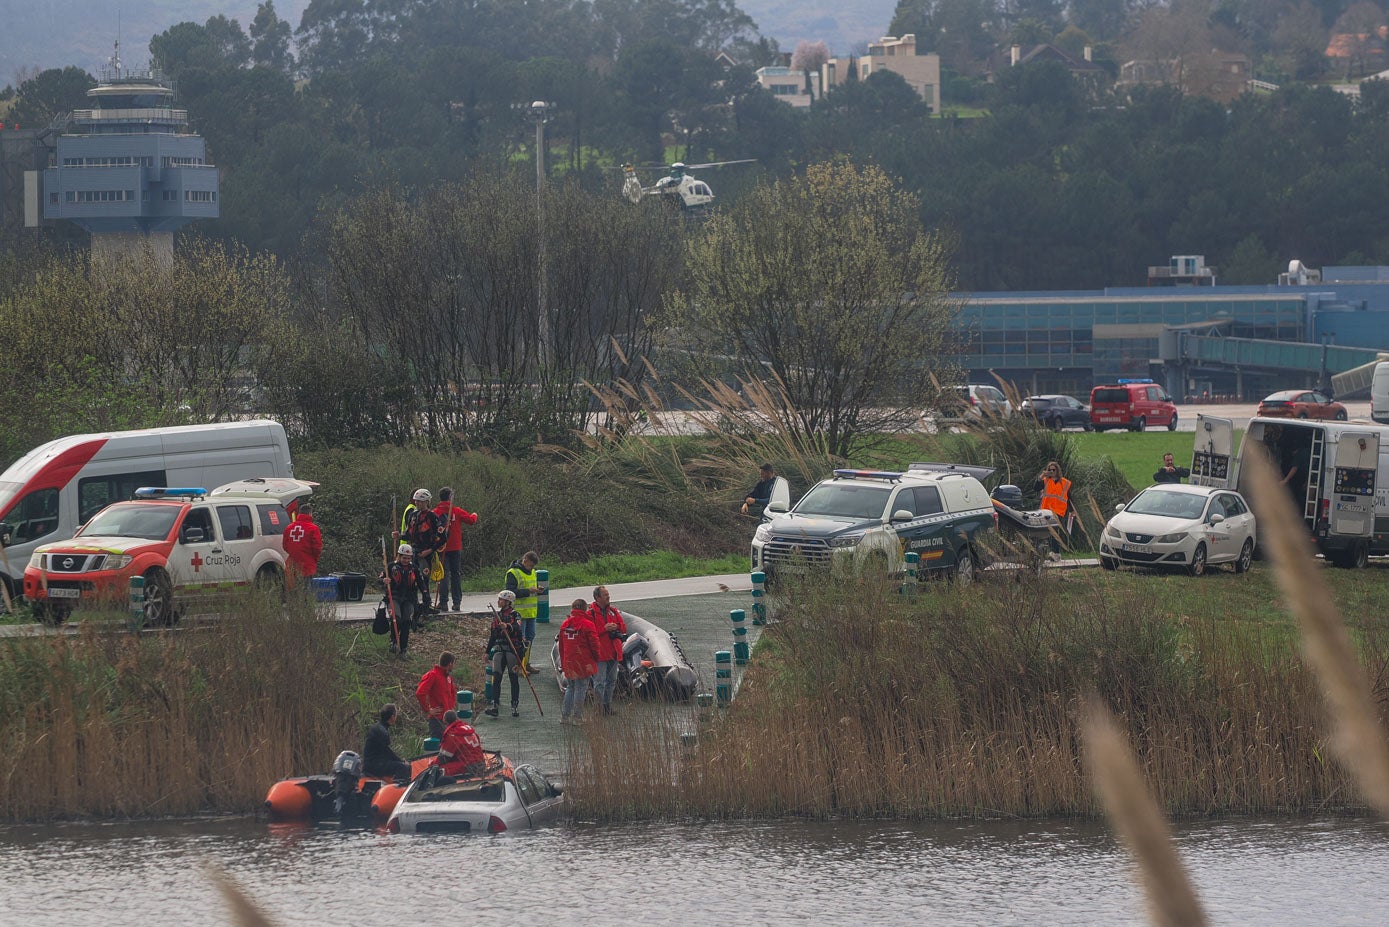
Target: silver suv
[973, 402]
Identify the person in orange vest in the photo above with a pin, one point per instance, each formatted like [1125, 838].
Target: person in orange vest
[1056, 498]
[437, 693]
[303, 544]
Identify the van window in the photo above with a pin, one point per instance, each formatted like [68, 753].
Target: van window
[1154, 394]
[94, 493]
[273, 519]
[34, 515]
[1110, 394]
[236, 522]
[927, 500]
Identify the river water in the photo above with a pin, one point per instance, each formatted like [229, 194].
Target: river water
[1265, 872]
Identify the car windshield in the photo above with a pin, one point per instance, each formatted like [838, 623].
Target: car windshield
[844, 500]
[1167, 503]
[133, 520]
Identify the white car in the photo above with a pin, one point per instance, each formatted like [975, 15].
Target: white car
[1183, 527]
[514, 798]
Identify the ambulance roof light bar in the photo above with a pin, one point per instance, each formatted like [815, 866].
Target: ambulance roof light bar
[169, 492]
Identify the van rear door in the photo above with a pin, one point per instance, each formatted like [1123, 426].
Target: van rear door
[1354, 462]
[1212, 458]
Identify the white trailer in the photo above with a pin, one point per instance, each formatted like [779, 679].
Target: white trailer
[1337, 473]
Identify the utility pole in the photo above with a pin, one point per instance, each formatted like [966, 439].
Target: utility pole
[540, 114]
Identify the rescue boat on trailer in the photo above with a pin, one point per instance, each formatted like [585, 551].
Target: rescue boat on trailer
[653, 664]
[344, 794]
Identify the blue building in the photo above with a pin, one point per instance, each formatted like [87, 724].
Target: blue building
[129, 170]
[1243, 341]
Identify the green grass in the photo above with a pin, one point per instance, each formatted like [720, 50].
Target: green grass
[620, 568]
[1138, 455]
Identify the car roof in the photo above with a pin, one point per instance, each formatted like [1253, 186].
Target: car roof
[1286, 394]
[1188, 489]
[1050, 396]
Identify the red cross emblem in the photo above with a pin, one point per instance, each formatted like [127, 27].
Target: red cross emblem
[296, 533]
[197, 561]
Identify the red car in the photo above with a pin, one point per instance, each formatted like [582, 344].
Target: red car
[1299, 403]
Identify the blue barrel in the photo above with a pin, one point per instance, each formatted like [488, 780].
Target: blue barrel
[759, 602]
[542, 604]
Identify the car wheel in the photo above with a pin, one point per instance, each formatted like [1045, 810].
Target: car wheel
[1246, 556]
[1198, 561]
[49, 613]
[159, 599]
[964, 566]
[1088, 427]
[1341, 415]
[270, 580]
[1107, 563]
[1054, 423]
[1172, 425]
[1356, 558]
[1302, 415]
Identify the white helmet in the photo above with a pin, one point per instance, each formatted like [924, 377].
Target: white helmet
[422, 495]
[405, 549]
[506, 595]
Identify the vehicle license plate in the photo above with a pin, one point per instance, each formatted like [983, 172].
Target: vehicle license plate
[1109, 418]
[65, 593]
[1138, 549]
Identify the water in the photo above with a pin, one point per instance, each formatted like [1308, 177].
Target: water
[1266, 872]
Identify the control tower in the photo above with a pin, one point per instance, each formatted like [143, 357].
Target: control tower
[128, 170]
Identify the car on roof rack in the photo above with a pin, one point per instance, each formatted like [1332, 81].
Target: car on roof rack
[861, 521]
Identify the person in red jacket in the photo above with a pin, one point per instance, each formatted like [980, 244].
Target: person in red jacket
[437, 693]
[611, 630]
[303, 544]
[453, 519]
[578, 657]
[460, 750]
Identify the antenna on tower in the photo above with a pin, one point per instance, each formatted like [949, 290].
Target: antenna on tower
[116, 55]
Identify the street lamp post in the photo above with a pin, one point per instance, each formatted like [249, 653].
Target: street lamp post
[540, 114]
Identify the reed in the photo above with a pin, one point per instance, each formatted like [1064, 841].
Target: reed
[108, 724]
[966, 701]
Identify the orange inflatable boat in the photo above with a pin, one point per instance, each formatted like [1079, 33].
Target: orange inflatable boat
[344, 794]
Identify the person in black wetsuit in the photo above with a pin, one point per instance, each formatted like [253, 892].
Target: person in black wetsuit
[378, 759]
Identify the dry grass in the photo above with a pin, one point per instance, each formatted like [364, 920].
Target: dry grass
[110, 724]
[967, 702]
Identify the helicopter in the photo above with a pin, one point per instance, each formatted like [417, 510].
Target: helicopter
[678, 187]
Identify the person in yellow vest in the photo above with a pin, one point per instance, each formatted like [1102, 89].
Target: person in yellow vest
[1056, 498]
[521, 580]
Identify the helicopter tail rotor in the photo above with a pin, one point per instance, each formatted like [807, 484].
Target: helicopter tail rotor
[631, 186]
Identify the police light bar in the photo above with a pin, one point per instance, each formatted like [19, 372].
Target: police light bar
[1126, 382]
[869, 474]
[164, 492]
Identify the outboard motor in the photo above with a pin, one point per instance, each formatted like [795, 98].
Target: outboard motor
[347, 776]
[1009, 495]
[634, 661]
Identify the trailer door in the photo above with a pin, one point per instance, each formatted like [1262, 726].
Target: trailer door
[1212, 462]
[1352, 496]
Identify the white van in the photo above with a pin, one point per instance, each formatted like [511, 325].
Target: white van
[1379, 393]
[50, 491]
[1338, 474]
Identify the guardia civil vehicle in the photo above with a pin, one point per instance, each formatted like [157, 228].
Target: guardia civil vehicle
[865, 521]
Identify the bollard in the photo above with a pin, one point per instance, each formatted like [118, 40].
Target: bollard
[487, 694]
[465, 704]
[431, 745]
[759, 602]
[740, 636]
[910, 579]
[137, 602]
[689, 739]
[704, 702]
[542, 603]
[723, 663]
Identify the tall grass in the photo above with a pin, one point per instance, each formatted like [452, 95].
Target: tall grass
[967, 702]
[112, 724]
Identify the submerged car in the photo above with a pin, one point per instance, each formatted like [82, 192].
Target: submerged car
[504, 798]
[1176, 526]
[1301, 403]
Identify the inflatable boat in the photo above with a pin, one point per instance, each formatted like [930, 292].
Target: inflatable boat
[344, 794]
[653, 665]
[1035, 529]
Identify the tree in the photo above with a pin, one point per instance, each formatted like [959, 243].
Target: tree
[826, 285]
[810, 57]
[271, 36]
[49, 94]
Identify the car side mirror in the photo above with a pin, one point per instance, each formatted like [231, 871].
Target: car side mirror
[6, 534]
[1217, 518]
[193, 535]
[777, 507]
[902, 515]
[1119, 507]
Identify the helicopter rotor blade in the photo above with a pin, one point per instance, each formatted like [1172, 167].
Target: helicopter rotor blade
[697, 167]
